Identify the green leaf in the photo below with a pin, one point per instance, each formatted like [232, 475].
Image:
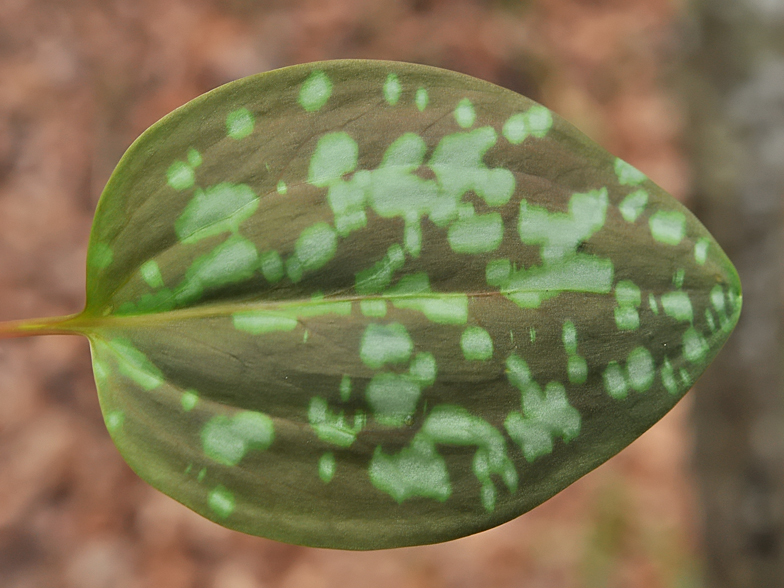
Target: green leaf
[364, 304]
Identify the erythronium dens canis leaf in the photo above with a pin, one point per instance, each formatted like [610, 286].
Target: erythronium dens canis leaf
[365, 304]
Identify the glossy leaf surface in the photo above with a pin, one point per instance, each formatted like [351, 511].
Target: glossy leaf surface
[370, 304]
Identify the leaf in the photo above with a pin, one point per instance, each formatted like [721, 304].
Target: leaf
[364, 304]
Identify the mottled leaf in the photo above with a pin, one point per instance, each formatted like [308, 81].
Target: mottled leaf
[365, 304]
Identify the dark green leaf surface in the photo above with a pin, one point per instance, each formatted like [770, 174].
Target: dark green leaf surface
[366, 304]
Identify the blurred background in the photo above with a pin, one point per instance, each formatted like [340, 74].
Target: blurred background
[690, 92]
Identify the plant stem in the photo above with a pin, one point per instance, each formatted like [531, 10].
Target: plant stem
[43, 326]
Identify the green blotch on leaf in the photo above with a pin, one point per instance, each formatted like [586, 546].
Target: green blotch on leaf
[180, 175]
[194, 158]
[392, 89]
[326, 467]
[240, 123]
[99, 256]
[477, 234]
[260, 322]
[315, 91]
[114, 420]
[640, 368]
[627, 174]
[227, 439]
[271, 266]
[188, 400]
[281, 188]
[695, 347]
[331, 427]
[413, 292]
[476, 344]
[151, 274]
[218, 209]
[678, 306]
[465, 115]
[535, 122]
[221, 501]
[421, 99]
[373, 308]
[633, 205]
[392, 398]
[132, 363]
[336, 154]
[701, 250]
[615, 381]
[545, 414]
[315, 246]
[668, 227]
[376, 278]
[382, 344]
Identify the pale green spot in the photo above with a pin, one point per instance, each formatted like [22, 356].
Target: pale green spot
[678, 306]
[454, 425]
[685, 378]
[345, 388]
[336, 154]
[639, 366]
[545, 414]
[577, 369]
[532, 334]
[668, 377]
[668, 227]
[578, 273]
[382, 344]
[717, 298]
[315, 91]
[559, 234]
[392, 89]
[151, 274]
[326, 467]
[240, 123]
[423, 369]
[535, 122]
[373, 308]
[465, 114]
[627, 318]
[628, 175]
[114, 420]
[476, 234]
[188, 469]
[392, 398]
[259, 322]
[569, 337]
[652, 304]
[333, 428]
[188, 400]
[100, 370]
[271, 266]
[498, 271]
[316, 246]
[421, 99]
[701, 250]
[133, 364]
[418, 470]
[695, 347]
[282, 188]
[374, 279]
[458, 164]
[218, 209]
[710, 319]
[627, 293]
[318, 307]
[678, 277]
[476, 344]
[413, 292]
[180, 175]
[234, 260]
[615, 381]
[99, 256]
[221, 501]
[227, 440]
[633, 205]
[202, 473]
[305, 336]
[194, 158]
